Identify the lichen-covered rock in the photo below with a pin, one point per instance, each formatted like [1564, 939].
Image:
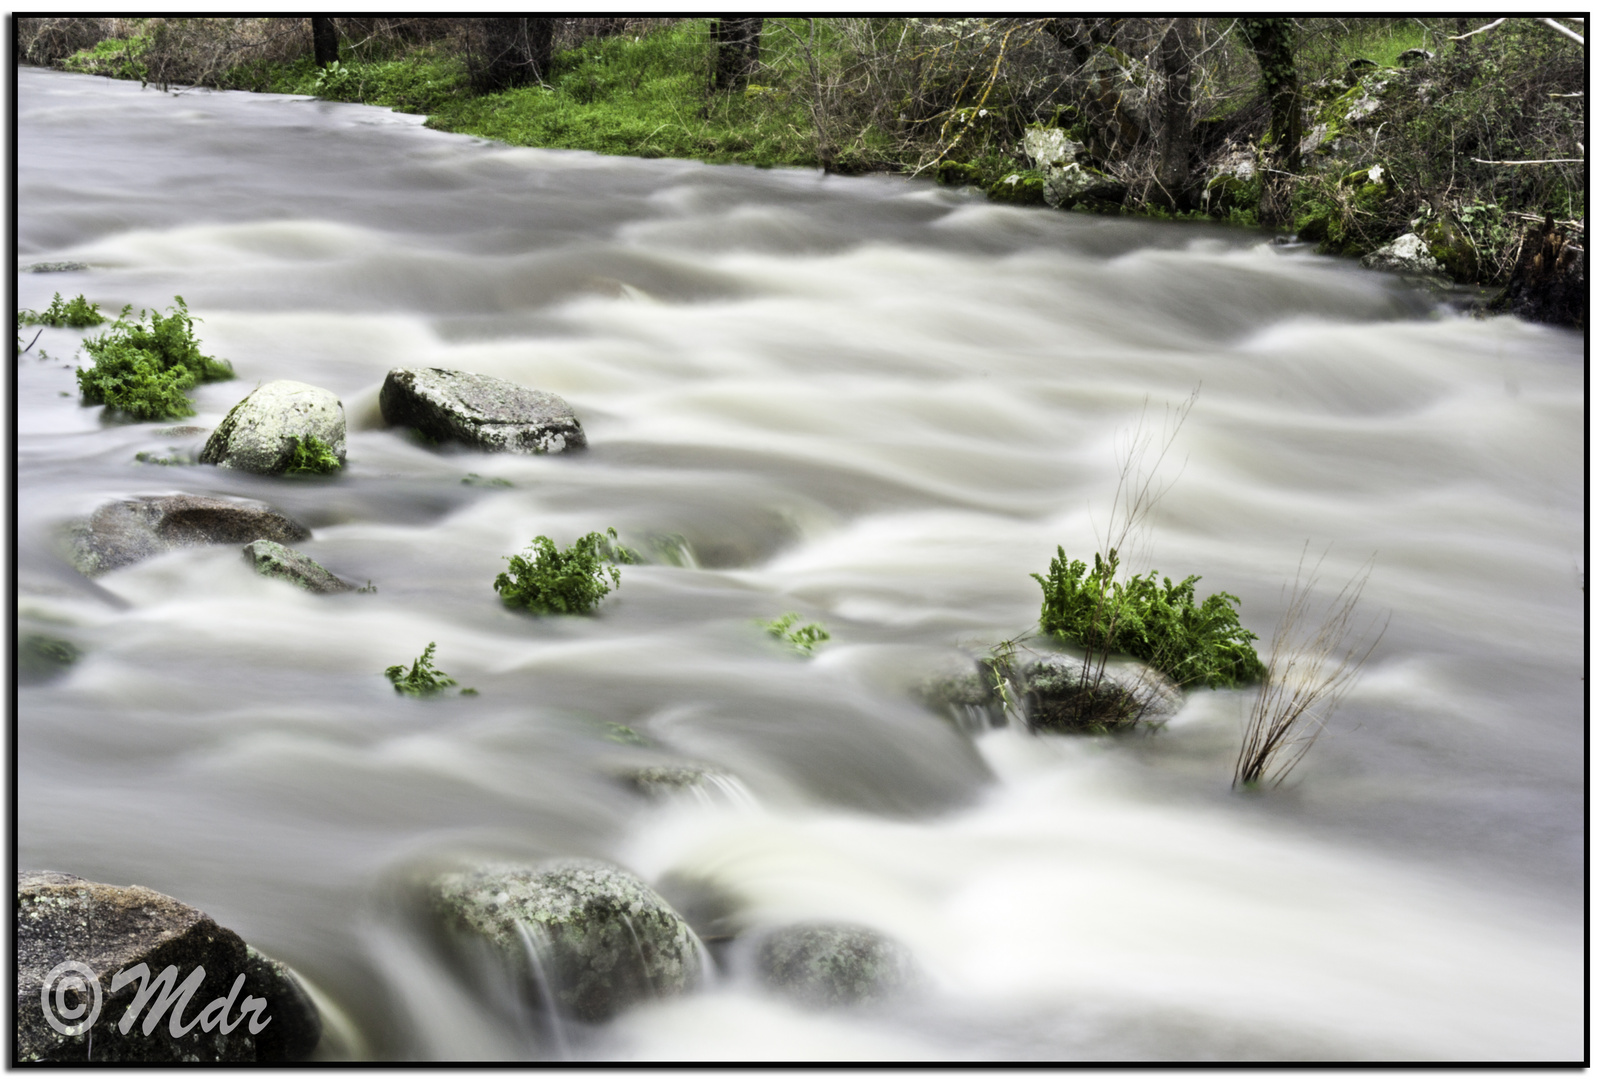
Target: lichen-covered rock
[603, 938]
[109, 929]
[484, 412]
[833, 964]
[262, 432]
[272, 559]
[1074, 185]
[1408, 253]
[1047, 146]
[702, 783]
[1019, 188]
[127, 531]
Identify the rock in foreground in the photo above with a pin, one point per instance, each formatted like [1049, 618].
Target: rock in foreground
[481, 411]
[832, 964]
[128, 531]
[263, 432]
[603, 938]
[270, 559]
[108, 929]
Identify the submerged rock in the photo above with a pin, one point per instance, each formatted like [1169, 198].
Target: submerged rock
[130, 530]
[107, 929]
[597, 936]
[271, 559]
[832, 964]
[262, 433]
[481, 411]
[1060, 695]
[57, 267]
[42, 657]
[701, 782]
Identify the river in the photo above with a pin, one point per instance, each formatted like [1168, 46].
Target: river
[881, 405]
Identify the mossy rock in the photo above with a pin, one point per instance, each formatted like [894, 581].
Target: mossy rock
[1020, 189]
[1450, 247]
[1062, 696]
[829, 965]
[272, 559]
[956, 173]
[1226, 192]
[603, 938]
[269, 431]
[43, 657]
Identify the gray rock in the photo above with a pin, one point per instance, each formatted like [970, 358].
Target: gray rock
[484, 412]
[602, 937]
[700, 782]
[832, 964]
[271, 559]
[125, 532]
[1074, 185]
[1410, 57]
[1408, 253]
[56, 267]
[261, 433]
[43, 657]
[62, 919]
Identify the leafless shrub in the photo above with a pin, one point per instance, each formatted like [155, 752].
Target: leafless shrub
[49, 41]
[1311, 667]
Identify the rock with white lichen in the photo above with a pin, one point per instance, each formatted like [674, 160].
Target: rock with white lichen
[480, 411]
[281, 426]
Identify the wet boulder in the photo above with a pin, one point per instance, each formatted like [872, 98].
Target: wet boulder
[481, 411]
[1073, 185]
[1061, 693]
[1408, 253]
[702, 783]
[587, 934]
[271, 559]
[826, 965]
[281, 426]
[127, 531]
[79, 948]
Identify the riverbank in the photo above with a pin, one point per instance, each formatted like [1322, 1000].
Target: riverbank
[1453, 141]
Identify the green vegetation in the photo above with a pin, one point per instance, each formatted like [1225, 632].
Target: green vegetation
[472, 479]
[423, 679]
[550, 581]
[1160, 624]
[76, 313]
[146, 370]
[312, 457]
[802, 638]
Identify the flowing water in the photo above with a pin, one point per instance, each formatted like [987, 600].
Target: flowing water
[878, 404]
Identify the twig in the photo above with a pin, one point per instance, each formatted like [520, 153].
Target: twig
[35, 340]
[1547, 161]
[1481, 30]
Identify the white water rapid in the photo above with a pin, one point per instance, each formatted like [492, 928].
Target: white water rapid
[879, 404]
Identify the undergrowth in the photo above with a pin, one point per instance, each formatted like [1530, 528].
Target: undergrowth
[311, 456]
[145, 368]
[76, 313]
[423, 679]
[802, 638]
[550, 581]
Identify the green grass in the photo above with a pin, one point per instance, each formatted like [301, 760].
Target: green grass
[146, 369]
[550, 581]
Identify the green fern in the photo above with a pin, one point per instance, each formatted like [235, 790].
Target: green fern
[550, 581]
[803, 638]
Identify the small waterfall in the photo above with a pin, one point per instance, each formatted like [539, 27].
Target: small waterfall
[542, 984]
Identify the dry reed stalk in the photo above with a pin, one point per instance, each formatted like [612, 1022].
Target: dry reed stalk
[1308, 675]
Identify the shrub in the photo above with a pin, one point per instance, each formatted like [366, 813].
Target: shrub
[1160, 624]
[802, 638]
[312, 456]
[145, 371]
[76, 313]
[572, 582]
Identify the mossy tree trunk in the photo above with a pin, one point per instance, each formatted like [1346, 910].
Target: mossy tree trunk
[1176, 135]
[738, 42]
[1272, 40]
[325, 40]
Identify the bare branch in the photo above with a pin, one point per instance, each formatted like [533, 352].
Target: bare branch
[1546, 161]
[1481, 30]
[1560, 28]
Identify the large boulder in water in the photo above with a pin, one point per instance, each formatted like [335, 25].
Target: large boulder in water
[127, 531]
[102, 930]
[589, 934]
[269, 431]
[484, 412]
[833, 964]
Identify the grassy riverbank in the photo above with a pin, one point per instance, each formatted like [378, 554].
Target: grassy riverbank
[1403, 125]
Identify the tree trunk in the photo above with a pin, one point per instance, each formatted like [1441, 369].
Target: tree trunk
[1271, 40]
[325, 40]
[737, 43]
[1176, 135]
[1548, 283]
[516, 52]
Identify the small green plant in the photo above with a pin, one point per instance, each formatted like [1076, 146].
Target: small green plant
[145, 370]
[312, 457]
[550, 581]
[472, 479]
[1161, 624]
[76, 313]
[802, 638]
[423, 679]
